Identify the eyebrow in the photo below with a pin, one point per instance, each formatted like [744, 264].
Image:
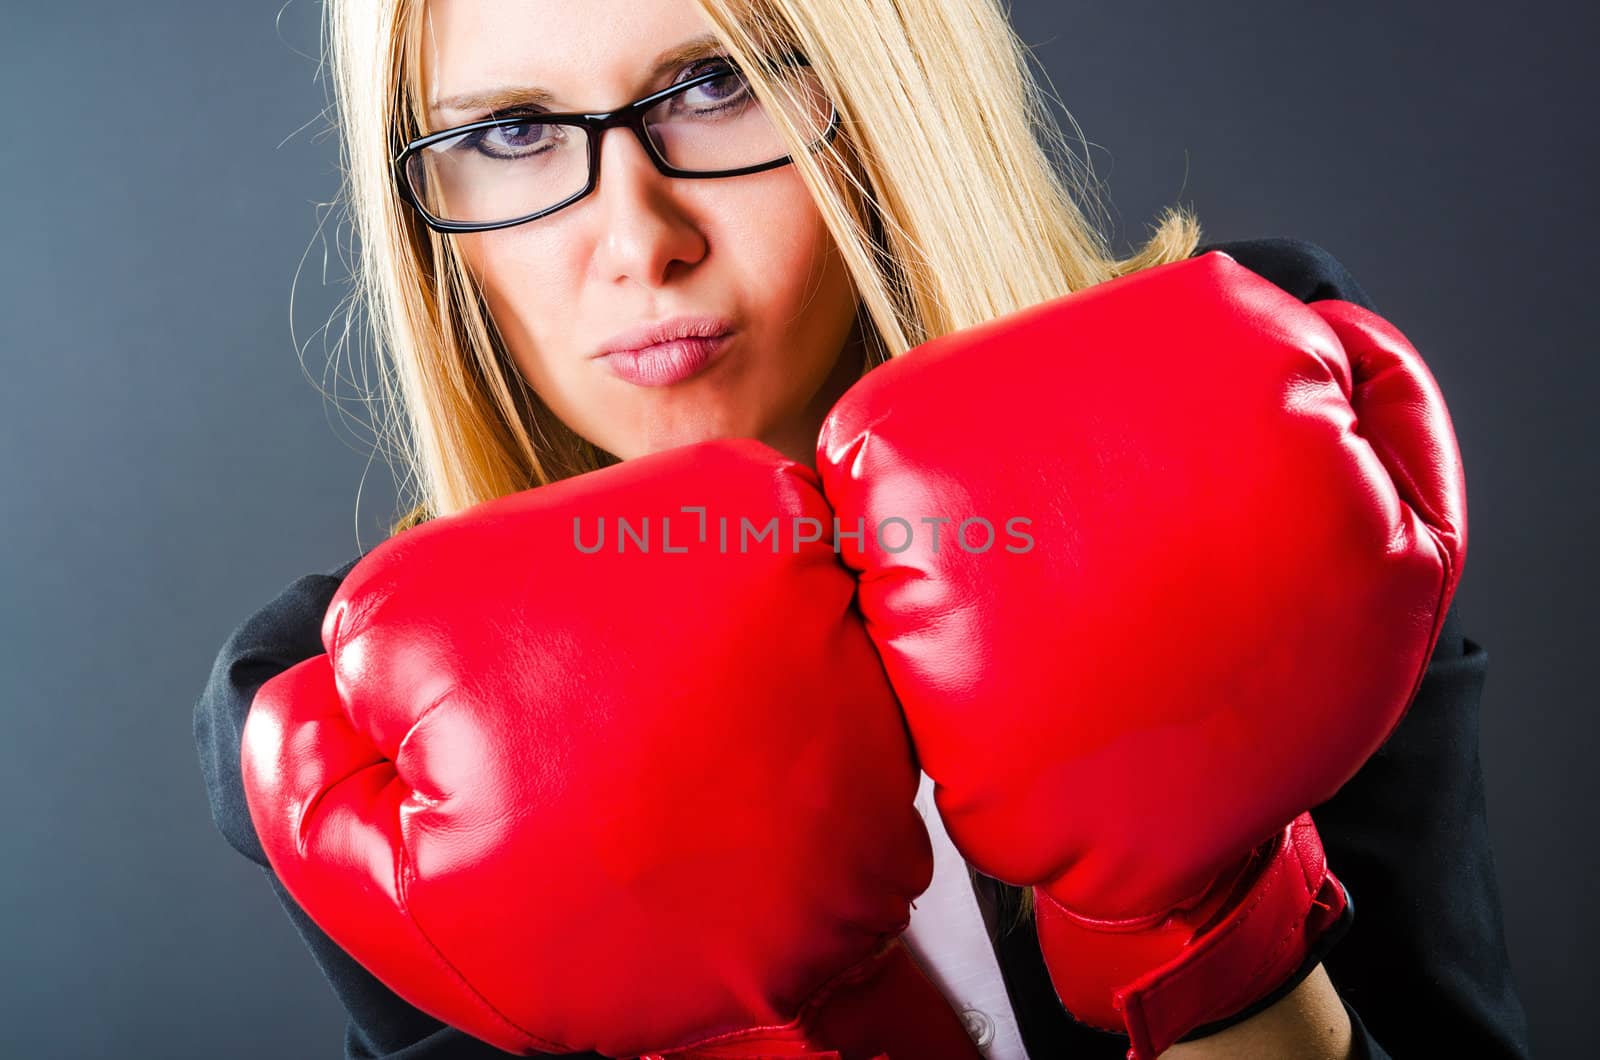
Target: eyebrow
[493, 99]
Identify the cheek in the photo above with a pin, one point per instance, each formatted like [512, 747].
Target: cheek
[799, 296]
[780, 242]
[808, 319]
[530, 286]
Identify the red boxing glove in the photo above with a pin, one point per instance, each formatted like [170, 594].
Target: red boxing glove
[643, 800]
[1245, 519]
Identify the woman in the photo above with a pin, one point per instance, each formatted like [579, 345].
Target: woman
[510, 288]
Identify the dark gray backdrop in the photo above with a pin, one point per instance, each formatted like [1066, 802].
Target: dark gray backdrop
[168, 463]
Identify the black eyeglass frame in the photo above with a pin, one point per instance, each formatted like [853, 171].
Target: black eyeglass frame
[629, 116]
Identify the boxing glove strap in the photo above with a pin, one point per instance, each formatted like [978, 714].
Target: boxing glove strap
[882, 1008]
[1249, 948]
[1319, 949]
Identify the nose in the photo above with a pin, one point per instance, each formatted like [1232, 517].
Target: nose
[645, 235]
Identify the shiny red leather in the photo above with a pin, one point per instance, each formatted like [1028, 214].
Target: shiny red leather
[1247, 519]
[646, 802]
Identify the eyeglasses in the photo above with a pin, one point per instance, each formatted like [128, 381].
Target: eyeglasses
[513, 169]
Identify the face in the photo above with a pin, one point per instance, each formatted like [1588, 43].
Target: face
[748, 251]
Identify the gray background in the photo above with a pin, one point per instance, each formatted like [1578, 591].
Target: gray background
[169, 462]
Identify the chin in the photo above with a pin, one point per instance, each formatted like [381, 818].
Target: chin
[675, 437]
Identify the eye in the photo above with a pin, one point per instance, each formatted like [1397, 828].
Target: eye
[717, 93]
[520, 138]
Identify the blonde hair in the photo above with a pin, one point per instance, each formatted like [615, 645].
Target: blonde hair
[950, 191]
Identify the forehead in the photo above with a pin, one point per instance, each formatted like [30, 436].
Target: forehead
[588, 54]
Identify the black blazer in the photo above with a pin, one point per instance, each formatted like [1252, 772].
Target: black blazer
[1422, 966]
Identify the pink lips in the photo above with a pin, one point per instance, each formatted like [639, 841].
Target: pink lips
[667, 351]
[664, 363]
